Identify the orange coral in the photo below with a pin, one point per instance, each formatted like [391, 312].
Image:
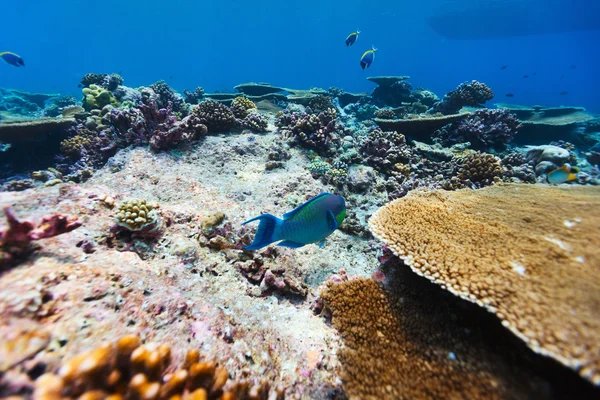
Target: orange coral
[527, 253]
[128, 370]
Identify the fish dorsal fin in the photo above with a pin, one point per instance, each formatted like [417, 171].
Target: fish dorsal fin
[331, 221]
[565, 168]
[290, 214]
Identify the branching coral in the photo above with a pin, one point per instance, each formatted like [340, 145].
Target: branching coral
[194, 96]
[128, 370]
[473, 94]
[159, 127]
[385, 113]
[485, 129]
[15, 242]
[165, 95]
[316, 132]
[254, 121]
[527, 253]
[216, 116]
[383, 150]
[320, 103]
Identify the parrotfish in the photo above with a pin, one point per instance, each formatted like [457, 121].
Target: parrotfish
[367, 58]
[562, 175]
[352, 38]
[310, 222]
[12, 59]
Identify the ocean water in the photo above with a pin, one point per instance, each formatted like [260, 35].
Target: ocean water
[300, 44]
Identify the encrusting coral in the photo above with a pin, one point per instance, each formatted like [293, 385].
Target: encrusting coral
[527, 253]
[127, 369]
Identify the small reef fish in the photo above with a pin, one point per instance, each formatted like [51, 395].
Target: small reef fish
[504, 67]
[310, 222]
[561, 175]
[351, 39]
[525, 76]
[367, 58]
[12, 59]
[509, 95]
[564, 93]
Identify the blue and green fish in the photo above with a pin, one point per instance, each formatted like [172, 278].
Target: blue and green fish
[367, 58]
[352, 38]
[12, 59]
[562, 175]
[310, 222]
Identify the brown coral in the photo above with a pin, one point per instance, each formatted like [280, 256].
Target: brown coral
[216, 116]
[527, 253]
[137, 215]
[241, 106]
[477, 170]
[128, 370]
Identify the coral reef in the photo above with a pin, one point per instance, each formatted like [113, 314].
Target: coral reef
[385, 113]
[95, 97]
[313, 131]
[476, 170]
[165, 95]
[255, 121]
[540, 281]
[126, 369]
[16, 240]
[391, 91]
[485, 129]
[194, 96]
[320, 103]
[216, 116]
[473, 94]
[159, 127]
[384, 150]
[241, 106]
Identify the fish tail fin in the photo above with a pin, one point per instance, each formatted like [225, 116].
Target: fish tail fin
[267, 232]
[373, 48]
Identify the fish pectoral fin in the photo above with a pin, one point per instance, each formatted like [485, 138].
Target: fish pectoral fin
[331, 222]
[290, 244]
[321, 243]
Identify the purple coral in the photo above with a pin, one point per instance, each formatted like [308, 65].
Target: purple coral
[383, 150]
[157, 126]
[473, 94]
[255, 122]
[318, 132]
[485, 129]
[165, 95]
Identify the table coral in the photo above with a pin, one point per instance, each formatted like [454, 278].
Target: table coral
[126, 369]
[527, 253]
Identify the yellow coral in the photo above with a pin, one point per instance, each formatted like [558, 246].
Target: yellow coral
[136, 214]
[241, 106]
[96, 97]
[527, 253]
[127, 369]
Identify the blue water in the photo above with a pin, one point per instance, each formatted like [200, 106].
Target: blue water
[300, 44]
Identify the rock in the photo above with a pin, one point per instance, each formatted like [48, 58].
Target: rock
[554, 154]
[360, 178]
[544, 167]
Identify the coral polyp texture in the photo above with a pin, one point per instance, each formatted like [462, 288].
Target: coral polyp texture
[241, 106]
[472, 94]
[527, 253]
[217, 117]
[137, 214]
[127, 369]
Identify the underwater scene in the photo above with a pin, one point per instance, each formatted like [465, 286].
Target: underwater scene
[300, 200]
